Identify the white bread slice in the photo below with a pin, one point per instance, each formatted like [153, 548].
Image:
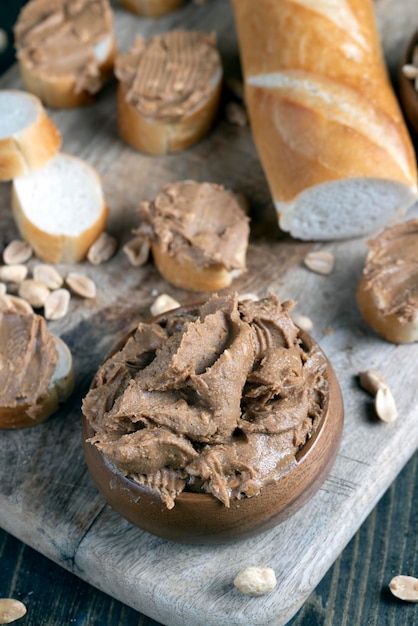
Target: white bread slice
[60, 210]
[151, 8]
[28, 138]
[59, 390]
[326, 123]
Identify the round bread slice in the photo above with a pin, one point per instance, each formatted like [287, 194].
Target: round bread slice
[387, 294]
[28, 137]
[27, 412]
[60, 210]
[65, 49]
[198, 234]
[60, 92]
[152, 8]
[160, 110]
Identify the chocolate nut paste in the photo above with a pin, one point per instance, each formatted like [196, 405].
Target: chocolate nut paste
[63, 38]
[216, 400]
[28, 359]
[201, 221]
[391, 271]
[171, 74]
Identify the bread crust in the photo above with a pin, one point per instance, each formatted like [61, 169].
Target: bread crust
[155, 136]
[313, 90]
[59, 92]
[32, 147]
[292, 166]
[388, 326]
[152, 8]
[183, 273]
[58, 392]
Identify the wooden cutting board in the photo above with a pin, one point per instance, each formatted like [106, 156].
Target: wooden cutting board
[47, 498]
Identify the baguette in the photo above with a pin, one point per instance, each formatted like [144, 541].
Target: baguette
[152, 8]
[28, 138]
[325, 120]
[60, 210]
[65, 50]
[44, 374]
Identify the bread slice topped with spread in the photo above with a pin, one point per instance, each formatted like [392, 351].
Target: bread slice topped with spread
[38, 374]
[198, 234]
[169, 90]
[326, 123]
[387, 294]
[65, 49]
[60, 210]
[28, 137]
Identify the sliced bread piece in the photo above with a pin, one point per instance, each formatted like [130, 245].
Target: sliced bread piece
[198, 234]
[38, 376]
[169, 90]
[28, 138]
[60, 210]
[65, 49]
[387, 294]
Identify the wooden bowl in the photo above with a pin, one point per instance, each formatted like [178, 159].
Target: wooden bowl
[407, 92]
[201, 518]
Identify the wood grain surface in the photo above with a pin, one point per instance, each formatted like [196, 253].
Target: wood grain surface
[47, 499]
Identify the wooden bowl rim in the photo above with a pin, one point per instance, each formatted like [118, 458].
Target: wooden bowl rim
[188, 497]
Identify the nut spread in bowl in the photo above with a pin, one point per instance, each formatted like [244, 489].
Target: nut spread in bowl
[213, 422]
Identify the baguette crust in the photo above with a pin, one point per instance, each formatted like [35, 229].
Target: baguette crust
[183, 273]
[59, 92]
[388, 326]
[154, 136]
[322, 108]
[32, 147]
[152, 8]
